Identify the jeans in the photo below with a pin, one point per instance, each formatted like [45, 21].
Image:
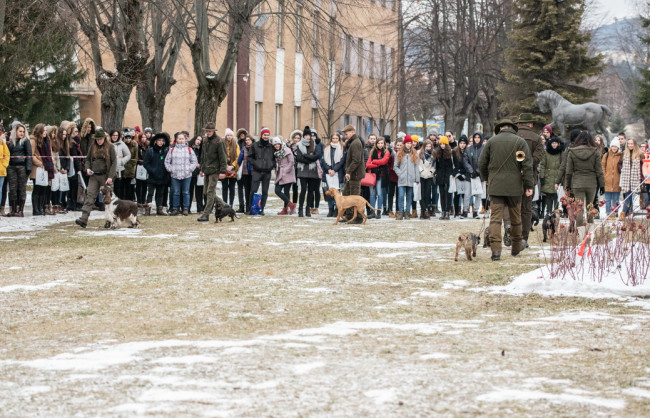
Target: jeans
[178, 187]
[282, 191]
[611, 201]
[377, 194]
[628, 202]
[404, 191]
[263, 179]
[392, 188]
[2, 183]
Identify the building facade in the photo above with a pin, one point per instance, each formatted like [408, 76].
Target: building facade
[324, 63]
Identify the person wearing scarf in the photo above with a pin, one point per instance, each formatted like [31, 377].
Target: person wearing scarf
[333, 163]
[307, 171]
[285, 175]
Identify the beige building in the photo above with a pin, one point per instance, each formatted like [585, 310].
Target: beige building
[299, 68]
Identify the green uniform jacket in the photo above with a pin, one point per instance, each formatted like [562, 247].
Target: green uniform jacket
[354, 164]
[213, 156]
[534, 145]
[498, 164]
[548, 171]
[583, 168]
[99, 165]
[129, 167]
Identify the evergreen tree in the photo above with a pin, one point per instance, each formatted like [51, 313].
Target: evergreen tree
[642, 105]
[547, 51]
[38, 64]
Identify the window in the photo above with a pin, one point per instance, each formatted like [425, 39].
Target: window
[316, 44]
[257, 116]
[296, 117]
[298, 29]
[314, 116]
[280, 24]
[346, 120]
[360, 55]
[371, 60]
[382, 62]
[347, 46]
[278, 119]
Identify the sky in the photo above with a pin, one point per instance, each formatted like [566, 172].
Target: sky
[618, 8]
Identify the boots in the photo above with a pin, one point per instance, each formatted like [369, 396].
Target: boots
[292, 207]
[406, 216]
[371, 213]
[330, 213]
[464, 214]
[399, 216]
[482, 211]
[2, 211]
[621, 216]
[457, 212]
[20, 207]
[241, 209]
[391, 214]
[160, 211]
[432, 213]
[414, 214]
[48, 210]
[424, 214]
[378, 214]
[308, 212]
[300, 212]
[445, 215]
[283, 211]
[147, 209]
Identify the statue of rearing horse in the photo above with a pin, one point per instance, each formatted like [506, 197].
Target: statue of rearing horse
[590, 115]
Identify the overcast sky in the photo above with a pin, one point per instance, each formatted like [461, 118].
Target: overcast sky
[618, 8]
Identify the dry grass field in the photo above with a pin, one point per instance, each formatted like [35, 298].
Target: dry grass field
[288, 316]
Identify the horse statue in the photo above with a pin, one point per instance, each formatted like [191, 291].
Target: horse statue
[591, 115]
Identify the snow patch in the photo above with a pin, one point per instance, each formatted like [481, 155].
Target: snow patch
[505, 395]
[307, 367]
[638, 392]
[186, 360]
[381, 396]
[30, 288]
[434, 356]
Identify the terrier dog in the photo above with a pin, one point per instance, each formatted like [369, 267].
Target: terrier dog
[221, 212]
[550, 223]
[117, 210]
[468, 241]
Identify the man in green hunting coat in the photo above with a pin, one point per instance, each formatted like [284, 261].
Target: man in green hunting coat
[507, 165]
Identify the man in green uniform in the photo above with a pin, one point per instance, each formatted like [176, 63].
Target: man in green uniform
[507, 165]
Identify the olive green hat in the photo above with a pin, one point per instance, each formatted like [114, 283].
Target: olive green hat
[526, 118]
[504, 122]
[99, 133]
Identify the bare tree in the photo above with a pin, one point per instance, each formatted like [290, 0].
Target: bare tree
[3, 12]
[165, 38]
[115, 26]
[456, 44]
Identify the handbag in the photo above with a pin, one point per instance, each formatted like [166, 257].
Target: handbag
[200, 180]
[477, 186]
[56, 182]
[41, 177]
[452, 185]
[369, 180]
[417, 192]
[256, 204]
[333, 181]
[141, 173]
[64, 184]
[240, 171]
[71, 171]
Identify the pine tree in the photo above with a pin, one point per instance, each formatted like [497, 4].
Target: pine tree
[642, 105]
[548, 51]
[38, 65]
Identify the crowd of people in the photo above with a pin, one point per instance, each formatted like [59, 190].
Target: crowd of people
[441, 173]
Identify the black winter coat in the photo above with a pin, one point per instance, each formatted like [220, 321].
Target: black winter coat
[444, 169]
[22, 148]
[261, 157]
[154, 163]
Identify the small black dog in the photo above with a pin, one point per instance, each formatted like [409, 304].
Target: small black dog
[535, 217]
[549, 224]
[221, 212]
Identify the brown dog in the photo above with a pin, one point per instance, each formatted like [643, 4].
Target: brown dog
[345, 202]
[468, 241]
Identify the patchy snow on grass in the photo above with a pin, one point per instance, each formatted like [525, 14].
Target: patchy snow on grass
[505, 395]
[30, 288]
[534, 282]
[434, 356]
[307, 367]
[455, 284]
[638, 392]
[382, 396]
[38, 223]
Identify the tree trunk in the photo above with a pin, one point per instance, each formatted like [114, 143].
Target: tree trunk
[152, 94]
[3, 11]
[205, 107]
[115, 97]
[646, 125]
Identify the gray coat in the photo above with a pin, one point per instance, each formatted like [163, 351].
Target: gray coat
[407, 172]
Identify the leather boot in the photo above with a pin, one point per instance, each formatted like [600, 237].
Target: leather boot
[414, 214]
[300, 212]
[399, 216]
[432, 214]
[308, 212]
[241, 209]
[464, 214]
[20, 207]
[378, 214]
[292, 207]
[160, 211]
[457, 212]
[330, 213]
[406, 216]
[391, 214]
[283, 211]
[147, 209]
[424, 214]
